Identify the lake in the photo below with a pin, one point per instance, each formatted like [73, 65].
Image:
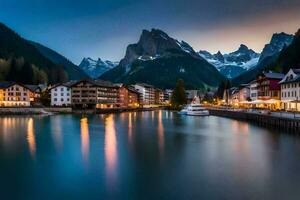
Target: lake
[145, 155]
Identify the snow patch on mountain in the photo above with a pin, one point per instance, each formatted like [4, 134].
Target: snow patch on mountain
[232, 64]
[95, 68]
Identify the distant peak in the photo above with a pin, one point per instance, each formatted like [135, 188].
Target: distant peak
[243, 47]
[219, 53]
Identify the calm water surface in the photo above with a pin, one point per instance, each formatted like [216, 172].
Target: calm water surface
[146, 155]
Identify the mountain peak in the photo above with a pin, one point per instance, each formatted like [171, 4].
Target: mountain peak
[243, 48]
[95, 68]
[277, 43]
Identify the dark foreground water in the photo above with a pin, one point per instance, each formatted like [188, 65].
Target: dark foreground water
[148, 155]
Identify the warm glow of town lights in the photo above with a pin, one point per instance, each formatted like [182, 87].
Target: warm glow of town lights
[31, 137]
[110, 150]
[85, 139]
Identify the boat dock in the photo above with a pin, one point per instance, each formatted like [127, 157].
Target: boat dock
[286, 121]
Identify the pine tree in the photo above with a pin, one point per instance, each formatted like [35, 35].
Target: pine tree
[178, 97]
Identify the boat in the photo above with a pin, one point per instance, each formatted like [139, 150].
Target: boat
[197, 110]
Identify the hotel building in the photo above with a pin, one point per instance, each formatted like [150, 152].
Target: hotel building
[290, 90]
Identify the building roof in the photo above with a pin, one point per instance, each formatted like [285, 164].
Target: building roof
[145, 85]
[293, 79]
[273, 75]
[6, 84]
[33, 88]
[98, 82]
[132, 89]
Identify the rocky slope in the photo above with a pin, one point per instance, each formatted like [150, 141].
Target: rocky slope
[161, 60]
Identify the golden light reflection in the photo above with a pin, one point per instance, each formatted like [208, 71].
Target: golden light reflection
[110, 149]
[130, 127]
[57, 133]
[152, 115]
[240, 127]
[160, 132]
[31, 137]
[85, 139]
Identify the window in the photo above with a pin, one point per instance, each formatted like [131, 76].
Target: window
[61, 99]
[55, 94]
[55, 99]
[55, 89]
[62, 94]
[24, 99]
[61, 89]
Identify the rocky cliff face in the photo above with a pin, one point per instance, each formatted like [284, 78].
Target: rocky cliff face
[152, 60]
[277, 43]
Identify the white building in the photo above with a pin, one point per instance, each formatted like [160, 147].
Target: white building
[253, 90]
[167, 95]
[290, 90]
[191, 94]
[147, 93]
[61, 95]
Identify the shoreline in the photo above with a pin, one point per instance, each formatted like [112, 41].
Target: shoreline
[69, 110]
[266, 120]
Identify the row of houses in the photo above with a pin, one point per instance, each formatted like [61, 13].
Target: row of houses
[269, 90]
[89, 93]
[85, 93]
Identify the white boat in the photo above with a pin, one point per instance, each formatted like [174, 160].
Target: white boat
[194, 109]
[197, 110]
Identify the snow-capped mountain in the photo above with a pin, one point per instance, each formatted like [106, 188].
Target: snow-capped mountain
[95, 68]
[232, 64]
[161, 60]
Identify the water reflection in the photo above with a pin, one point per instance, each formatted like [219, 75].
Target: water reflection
[110, 151]
[85, 139]
[31, 138]
[57, 132]
[130, 127]
[240, 127]
[160, 132]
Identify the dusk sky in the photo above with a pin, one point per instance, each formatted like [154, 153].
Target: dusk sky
[103, 28]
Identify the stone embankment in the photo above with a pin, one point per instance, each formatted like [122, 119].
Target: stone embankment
[271, 120]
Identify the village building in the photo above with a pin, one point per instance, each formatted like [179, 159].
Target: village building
[191, 94]
[147, 93]
[290, 90]
[14, 94]
[159, 96]
[128, 96]
[167, 96]
[244, 93]
[253, 90]
[61, 94]
[268, 85]
[89, 93]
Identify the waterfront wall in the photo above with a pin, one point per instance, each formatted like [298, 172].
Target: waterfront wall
[289, 124]
[66, 110]
[32, 111]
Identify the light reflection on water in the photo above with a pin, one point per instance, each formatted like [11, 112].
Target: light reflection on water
[85, 140]
[146, 155]
[31, 138]
[110, 151]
